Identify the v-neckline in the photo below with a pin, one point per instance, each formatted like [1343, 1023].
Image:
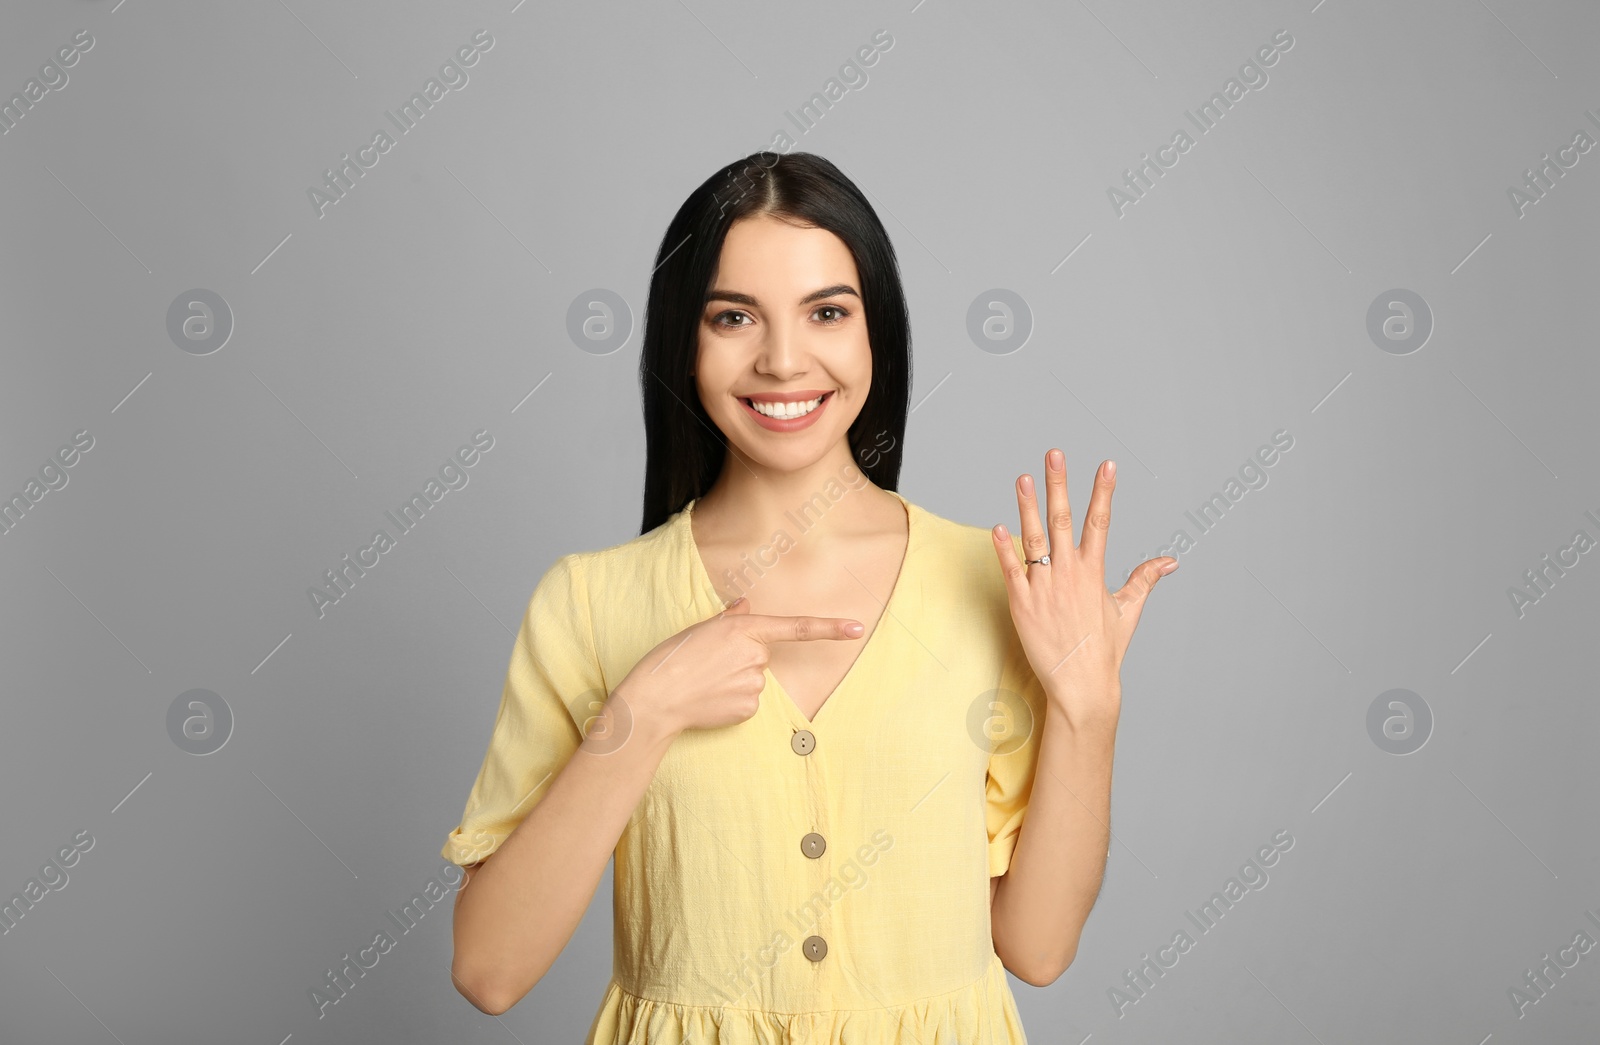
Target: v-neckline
[702, 578]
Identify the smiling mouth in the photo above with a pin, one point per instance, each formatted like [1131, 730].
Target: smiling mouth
[786, 411]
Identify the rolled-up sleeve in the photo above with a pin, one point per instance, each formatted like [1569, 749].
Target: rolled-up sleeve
[1018, 722]
[552, 679]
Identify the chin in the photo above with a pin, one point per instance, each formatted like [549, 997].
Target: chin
[786, 452]
[791, 459]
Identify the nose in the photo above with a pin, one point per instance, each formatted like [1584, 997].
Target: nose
[783, 354]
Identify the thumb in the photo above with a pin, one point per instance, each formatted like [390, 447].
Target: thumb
[1142, 580]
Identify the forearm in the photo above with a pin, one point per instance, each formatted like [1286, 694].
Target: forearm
[517, 910]
[1059, 861]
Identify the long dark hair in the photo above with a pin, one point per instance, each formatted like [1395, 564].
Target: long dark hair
[684, 450]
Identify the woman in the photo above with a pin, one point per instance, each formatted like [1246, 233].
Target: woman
[804, 713]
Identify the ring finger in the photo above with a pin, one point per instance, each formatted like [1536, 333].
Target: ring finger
[1034, 543]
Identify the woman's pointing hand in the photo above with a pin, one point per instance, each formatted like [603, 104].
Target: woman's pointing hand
[712, 673]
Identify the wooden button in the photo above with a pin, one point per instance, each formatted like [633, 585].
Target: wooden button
[813, 845]
[803, 741]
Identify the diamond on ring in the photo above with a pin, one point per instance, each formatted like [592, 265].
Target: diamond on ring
[1043, 560]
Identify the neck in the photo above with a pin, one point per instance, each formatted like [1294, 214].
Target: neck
[749, 502]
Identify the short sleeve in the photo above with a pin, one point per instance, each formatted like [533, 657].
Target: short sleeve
[1018, 725]
[536, 731]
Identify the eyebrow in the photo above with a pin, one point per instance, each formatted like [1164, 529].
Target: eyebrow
[737, 298]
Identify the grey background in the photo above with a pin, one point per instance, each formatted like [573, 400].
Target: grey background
[368, 344]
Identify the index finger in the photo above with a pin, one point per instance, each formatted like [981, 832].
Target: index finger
[1092, 545]
[771, 628]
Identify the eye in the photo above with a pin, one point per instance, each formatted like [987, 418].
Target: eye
[717, 320]
[833, 308]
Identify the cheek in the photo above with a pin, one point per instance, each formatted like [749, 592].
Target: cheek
[717, 403]
[715, 376]
[709, 378]
[860, 366]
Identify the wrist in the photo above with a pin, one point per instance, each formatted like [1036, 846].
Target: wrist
[1088, 708]
[631, 714]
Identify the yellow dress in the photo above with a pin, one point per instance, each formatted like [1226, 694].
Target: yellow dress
[782, 879]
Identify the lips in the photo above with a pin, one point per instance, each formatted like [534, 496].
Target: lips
[786, 424]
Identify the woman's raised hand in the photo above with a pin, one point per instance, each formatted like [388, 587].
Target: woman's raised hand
[1074, 631]
[712, 673]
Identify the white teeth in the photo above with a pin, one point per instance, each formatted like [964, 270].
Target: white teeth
[785, 410]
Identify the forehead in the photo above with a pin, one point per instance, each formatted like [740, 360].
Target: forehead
[765, 251]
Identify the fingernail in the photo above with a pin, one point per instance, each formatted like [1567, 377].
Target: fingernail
[854, 628]
[1111, 469]
[1169, 567]
[735, 602]
[1000, 531]
[1057, 459]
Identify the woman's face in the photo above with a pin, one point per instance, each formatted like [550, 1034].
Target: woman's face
[783, 324]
